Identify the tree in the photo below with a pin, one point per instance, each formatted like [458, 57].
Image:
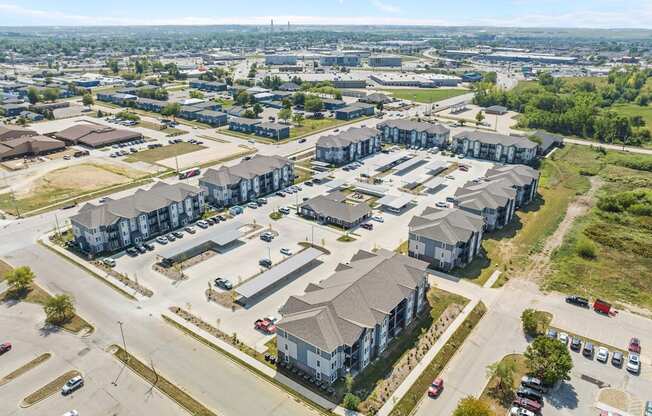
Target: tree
[87, 100]
[257, 109]
[242, 98]
[113, 66]
[297, 119]
[58, 309]
[249, 113]
[490, 77]
[50, 94]
[351, 401]
[171, 110]
[298, 99]
[478, 118]
[285, 114]
[196, 94]
[549, 360]
[32, 95]
[503, 371]
[313, 104]
[470, 406]
[530, 321]
[19, 278]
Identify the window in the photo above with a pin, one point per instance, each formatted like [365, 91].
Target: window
[318, 363]
[286, 347]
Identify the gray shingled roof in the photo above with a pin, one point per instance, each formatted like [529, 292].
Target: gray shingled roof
[450, 226]
[247, 169]
[494, 138]
[347, 137]
[484, 195]
[333, 205]
[160, 195]
[358, 295]
[515, 175]
[403, 124]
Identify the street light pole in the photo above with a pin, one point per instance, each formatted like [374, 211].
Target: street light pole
[124, 343]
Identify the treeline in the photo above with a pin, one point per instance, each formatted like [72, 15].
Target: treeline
[579, 108]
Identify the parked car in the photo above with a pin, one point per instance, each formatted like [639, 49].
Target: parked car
[578, 301]
[72, 385]
[529, 394]
[633, 363]
[441, 204]
[177, 234]
[588, 350]
[602, 355]
[367, 226]
[617, 359]
[634, 345]
[141, 248]
[527, 404]
[552, 334]
[190, 230]
[161, 240]
[170, 237]
[109, 262]
[280, 193]
[563, 338]
[210, 221]
[601, 306]
[132, 252]
[576, 344]
[284, 210]
[532, 383]
[149, 246]
[223, 283]
[5, 347]
[436, 387]
[308, 183]
[648, 408]
[261, 201]
[265, 325]
[520, 411]
[302, 140]
[71, 413]
[252, 205]
[378, 218]
[286, 251]
[265, 262]
[202, 224]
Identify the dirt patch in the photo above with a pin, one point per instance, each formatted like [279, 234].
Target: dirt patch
[175, 272]
[614, 398]
[25, 368]
[225, 299]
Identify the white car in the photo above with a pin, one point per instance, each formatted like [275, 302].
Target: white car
[378, 218]
[109, 262]
[519, 411]
[602, 355]
[286, 251]
[634, 363]
[71, 413]
[202, 224]
[563, 337]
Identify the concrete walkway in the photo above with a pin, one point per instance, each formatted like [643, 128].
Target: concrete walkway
[425, 361]
[492, 279]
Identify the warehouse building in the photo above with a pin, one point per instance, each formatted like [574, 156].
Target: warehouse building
[385, 61]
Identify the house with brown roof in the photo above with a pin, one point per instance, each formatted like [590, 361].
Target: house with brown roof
[333, 208]
[343, 323]
[14, 132]
[93, 135]
[29, 146]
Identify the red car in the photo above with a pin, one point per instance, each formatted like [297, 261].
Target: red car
[4, 347]
[528, 404]
[265, 325]
[635, 345]
[436, 387]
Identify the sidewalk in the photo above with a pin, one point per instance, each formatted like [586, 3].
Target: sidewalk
[425, 361]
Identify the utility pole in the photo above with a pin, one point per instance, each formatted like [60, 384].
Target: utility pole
[124, 343]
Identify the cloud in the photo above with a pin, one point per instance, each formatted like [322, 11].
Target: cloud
[385, 7]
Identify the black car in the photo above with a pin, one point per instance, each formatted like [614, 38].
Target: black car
[223, 283]
[178, 234]
[588, 350]
[265, 263]
[141, 248]
[308, 183]
[576, 344]
[529, 394]
[132, 252]
[220, 217]
[302, 140]
[578, 301]
[149, 246]
[617, 359]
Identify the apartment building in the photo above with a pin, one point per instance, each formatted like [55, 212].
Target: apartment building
[524, 179]
[496, 147]
[493, 201]
[343, 323]
[348, 146]
[414, 133]
[445, 238]
[119, 223]
[250, 179]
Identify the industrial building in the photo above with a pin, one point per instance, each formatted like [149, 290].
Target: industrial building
[385, 61]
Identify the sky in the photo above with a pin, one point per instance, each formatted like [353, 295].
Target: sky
[513, 13]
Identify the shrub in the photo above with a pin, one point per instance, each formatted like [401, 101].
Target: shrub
[351, 401]
[585, 248]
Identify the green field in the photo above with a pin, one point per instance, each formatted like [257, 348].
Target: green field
[630, 110]
[165, 152]
[308, 126]
[608, 251]
[425, 95]
[569, 81]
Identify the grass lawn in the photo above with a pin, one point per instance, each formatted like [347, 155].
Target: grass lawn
[175, 393]
[509, 249]
[365, 382]
[157, 127]
[165, 152]
[618, 267]
[310, 126]
[500, 402]
[408, 402]
[35, 294]
[425, 95]
[631, 109]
